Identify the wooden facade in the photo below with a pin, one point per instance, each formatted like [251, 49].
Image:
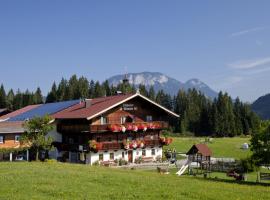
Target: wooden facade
[9, 140]
[131, 125]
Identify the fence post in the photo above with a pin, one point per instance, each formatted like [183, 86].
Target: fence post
[258, 177]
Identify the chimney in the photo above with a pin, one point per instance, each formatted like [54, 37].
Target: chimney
[88, 103]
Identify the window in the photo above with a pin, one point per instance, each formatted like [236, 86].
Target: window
[100, 157]
[123, 154]
[103, 120]
[153, 152]
[149, 118]
[123, 120]
[111, 156]
[2, 139]
[17, 138]
[143, 152]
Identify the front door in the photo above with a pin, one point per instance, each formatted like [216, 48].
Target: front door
[130, 156]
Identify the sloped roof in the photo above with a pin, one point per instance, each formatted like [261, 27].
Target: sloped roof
[200, 148]
[11, 127]
[99, 106]
[3, 110]
[18, 112]
[43, 109]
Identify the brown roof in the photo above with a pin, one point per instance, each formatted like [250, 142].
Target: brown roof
[200, 148]
[98, 106]
[18, 112]
[11, 127]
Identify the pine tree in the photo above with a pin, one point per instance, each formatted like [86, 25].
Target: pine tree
[91, 93]
[17, 100]
[52, 96]
[3, 98]
[38, 98]
[151, 93]
[10, 100]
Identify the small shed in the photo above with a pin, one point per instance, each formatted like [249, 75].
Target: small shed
[201, 154]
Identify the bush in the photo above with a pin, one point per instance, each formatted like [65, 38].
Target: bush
[122, 162]
[96, 163]
[50, 160]
[247, 165]
[138, 160]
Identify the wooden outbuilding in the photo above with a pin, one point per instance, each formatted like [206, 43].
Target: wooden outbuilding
[201, 154]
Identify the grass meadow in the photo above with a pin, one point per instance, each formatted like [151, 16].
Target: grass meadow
[73, 181]
[221, 147]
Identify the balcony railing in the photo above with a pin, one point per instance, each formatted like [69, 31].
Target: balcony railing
[143, 126]
[105, 146]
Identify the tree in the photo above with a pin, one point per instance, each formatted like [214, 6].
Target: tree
[35, 135]
[3, 100]
[151, 93]
[260, 146]
[10, 100]
[17, 100]
[38, 98]
[52, 96]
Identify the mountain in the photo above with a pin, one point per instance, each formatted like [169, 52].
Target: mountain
[262, 106]
[161, 81]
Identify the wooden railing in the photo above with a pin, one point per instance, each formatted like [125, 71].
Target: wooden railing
[129, 126]
[152, 143]
[74, 128]
[105, 146]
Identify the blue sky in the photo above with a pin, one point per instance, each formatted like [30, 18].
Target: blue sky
[226, 44]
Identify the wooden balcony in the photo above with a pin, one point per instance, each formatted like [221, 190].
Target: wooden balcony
[105, 146]
[73, 128]
[152, 143]
[139, 126]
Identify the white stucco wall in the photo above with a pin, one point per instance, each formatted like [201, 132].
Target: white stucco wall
[136, 153]
[57, 137]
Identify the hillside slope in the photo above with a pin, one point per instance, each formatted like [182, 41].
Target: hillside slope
[262, 106]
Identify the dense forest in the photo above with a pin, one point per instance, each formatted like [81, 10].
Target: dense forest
[221, 116]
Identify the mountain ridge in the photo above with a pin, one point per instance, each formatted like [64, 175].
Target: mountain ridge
[261, 106]
[161, 81]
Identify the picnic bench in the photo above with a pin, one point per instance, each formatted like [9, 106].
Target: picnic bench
[147, 159]
[263, 176]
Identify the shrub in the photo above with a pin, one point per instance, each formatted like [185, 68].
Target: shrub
[50, 160]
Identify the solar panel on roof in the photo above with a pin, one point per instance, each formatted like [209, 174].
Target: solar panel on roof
[49, 108]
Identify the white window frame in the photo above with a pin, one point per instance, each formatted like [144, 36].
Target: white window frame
[103, 120]
[123, 119]
[2, 140]
[17, 138]
[149, 118]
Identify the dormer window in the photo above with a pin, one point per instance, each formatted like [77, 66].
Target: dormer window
[103, 120]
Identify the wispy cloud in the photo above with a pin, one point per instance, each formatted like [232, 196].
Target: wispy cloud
[243, 32]
[249, 64]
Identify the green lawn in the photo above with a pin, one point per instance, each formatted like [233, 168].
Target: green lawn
[67, 181]
[221, 147]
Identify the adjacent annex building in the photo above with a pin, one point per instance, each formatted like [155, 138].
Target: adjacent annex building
[11, 129]
[126, 126]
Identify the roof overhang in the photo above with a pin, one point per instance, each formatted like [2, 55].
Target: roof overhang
[129, 98]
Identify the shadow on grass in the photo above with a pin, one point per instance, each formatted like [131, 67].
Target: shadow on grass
[234, 181]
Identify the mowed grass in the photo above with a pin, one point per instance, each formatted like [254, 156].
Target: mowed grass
[67, 181]
[221, 147]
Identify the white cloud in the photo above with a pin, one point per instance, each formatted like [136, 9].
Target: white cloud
[243, 32]
[249, 64]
